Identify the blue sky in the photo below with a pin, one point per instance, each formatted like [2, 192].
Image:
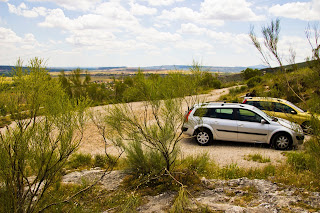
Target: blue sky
[149, 32]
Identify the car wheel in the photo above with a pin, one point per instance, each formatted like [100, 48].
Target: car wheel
[203, 136]
[307, 128]
[282, 141]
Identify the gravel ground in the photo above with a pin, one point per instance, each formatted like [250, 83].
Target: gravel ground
[224, 153]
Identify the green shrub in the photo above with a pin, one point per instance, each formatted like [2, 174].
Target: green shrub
[102, 160]
[181, 202]
[231, 171]
[199, 163]
[254, 81]
[250, 73]
[80, 160]
[257, 158]
[140, 161]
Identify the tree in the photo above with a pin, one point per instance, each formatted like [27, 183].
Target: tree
[271, 38]
[47, 129]
[250, 73]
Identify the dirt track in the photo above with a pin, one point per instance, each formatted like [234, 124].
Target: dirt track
[224, 153]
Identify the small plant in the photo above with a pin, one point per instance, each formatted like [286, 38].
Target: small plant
[257, 158]
[231, 171]
[80, 160]
[199, 163]
[181, 202]
[132, 202]
[100, 160]
[300, 160]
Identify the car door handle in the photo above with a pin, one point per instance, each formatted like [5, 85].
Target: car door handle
[240, 125]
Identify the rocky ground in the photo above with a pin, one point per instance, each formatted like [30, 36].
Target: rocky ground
[237, 195]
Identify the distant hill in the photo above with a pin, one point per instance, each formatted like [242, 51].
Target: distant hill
[7, 69]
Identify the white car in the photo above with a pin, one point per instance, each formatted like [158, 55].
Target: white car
[241, 123]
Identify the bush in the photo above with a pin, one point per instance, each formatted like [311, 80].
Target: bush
[80, 160]
[199, 163]
[257, 158]
[299, 160]
[104, 160]
[144, 162]
[231, 171]
[250, 73]
[254, 81]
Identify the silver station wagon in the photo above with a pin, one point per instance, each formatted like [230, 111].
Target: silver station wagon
[240, 123]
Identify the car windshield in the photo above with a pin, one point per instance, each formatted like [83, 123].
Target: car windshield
[294, 106]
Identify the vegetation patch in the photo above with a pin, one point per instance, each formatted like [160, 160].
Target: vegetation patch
[257, 158]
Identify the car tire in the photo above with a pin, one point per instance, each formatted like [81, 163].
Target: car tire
[307, 128]
[203, 136]
[282, 141]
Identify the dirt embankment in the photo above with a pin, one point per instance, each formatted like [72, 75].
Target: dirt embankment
[224, 153]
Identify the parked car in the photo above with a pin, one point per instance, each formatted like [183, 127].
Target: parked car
[241, 123]
[282, 109]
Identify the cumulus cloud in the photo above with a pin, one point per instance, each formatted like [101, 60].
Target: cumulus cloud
[110, 15]
[162, 2]
[9, 38]
[239, 42]
[139, 10]
[307, 11]
[190, 28]
[238, 10]
[90, 37]
[152, 35]
[212, 12]
[83, 5]
[23, 10]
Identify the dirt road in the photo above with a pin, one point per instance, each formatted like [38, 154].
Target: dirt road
[224, 153]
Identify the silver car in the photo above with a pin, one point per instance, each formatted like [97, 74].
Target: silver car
[241, 123]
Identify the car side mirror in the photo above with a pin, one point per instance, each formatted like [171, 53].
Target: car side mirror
[263, 121]
[293, 112]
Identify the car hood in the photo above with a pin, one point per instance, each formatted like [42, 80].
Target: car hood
[290, 125]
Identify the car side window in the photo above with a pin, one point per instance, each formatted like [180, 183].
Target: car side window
[265, 105]
[247, 115]
[283, 108]
[256, 104]
[224, 113]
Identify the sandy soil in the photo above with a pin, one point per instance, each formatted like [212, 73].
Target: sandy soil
[224, 153]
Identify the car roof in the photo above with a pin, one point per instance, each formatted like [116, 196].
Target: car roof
[224, 105]
[265, 99]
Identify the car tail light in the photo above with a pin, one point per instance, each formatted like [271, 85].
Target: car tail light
[244, 101]
[187, 116]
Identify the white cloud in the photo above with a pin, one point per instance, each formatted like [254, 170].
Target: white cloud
[238, 10]
[90, 37]
[4, 0]
[307, 11]
[12, 43]
[180, 13]
[162, 2]
[192, 29]
[23, 10]
[139, 10]
[193, 44]
[8, 36]
[212, 12]
[107, 16]
[83, 5]
[151, 35]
